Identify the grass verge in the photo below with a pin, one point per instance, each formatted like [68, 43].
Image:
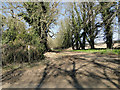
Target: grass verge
[102, 51]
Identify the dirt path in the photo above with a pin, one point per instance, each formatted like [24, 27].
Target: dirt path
[68, 70]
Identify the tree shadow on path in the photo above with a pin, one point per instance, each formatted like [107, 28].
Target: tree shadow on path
[83, 69]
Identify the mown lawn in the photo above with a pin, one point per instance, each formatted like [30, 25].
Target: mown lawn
[102, 51]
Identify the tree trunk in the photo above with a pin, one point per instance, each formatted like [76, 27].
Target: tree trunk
[77, 47]
[45, 42]
[109, 35]
[92, 43]
[72, 38]
[83, 44]
[73, 44]
[77, 41]
[109, 41]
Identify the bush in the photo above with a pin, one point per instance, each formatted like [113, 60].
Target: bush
[17, 52]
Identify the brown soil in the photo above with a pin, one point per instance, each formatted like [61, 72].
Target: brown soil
[68, 70]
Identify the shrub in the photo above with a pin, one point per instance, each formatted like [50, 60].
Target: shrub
[17, 52]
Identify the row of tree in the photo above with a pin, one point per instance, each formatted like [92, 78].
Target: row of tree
[86, 21]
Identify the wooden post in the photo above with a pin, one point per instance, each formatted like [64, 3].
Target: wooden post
[29, 53]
